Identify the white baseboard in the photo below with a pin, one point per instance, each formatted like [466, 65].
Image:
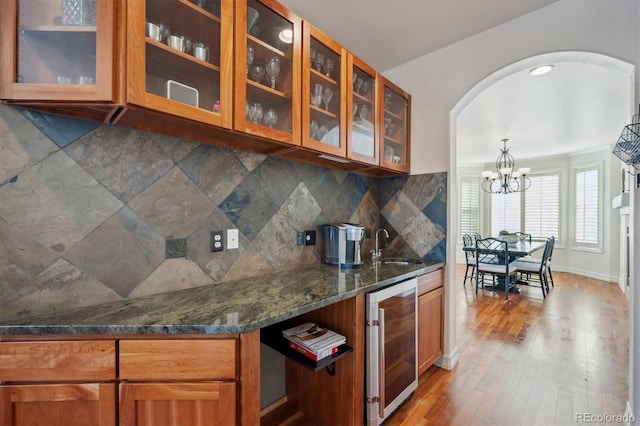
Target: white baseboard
[448, 361]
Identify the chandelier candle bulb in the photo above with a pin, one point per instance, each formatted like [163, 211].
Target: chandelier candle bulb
[524, 170]
[487, 174]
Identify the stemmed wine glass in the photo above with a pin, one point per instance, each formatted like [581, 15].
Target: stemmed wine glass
[326, 97]
[250, 55]
[273, 70]
[328, 66]
[257, 73]
[364, 111]
[271, 117]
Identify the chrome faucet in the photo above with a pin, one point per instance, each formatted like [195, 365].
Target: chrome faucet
[377, 253]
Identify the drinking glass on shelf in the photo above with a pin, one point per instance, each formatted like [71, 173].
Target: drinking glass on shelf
[271, 117]
[319, 61]
[326, 97]
[165, 31]
[250, 55]
[255, 113]
[314, 129]
[312, 56]
[365, 86]
[328, 66]
[357, 84]
[273, 70]
[355, 109]
[364, 111]
[316, 96]
[257, 73]
[323, 130]
[387, 101]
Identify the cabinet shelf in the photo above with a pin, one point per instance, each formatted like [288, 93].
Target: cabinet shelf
[267, 89]
[265, 45]
[318, 74]
[322, 111]
[393, 141]
[272, 337]
[393, 115]
[201, 10]
[362, 98]
[182, 55]
[58, 28]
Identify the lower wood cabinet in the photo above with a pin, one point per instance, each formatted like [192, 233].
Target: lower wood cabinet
[182, 380]
[56, 383]
[430, 318]
[184, 403]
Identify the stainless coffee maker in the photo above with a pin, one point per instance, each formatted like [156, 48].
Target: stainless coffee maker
[342, 244]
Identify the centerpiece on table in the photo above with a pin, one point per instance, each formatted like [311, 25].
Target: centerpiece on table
[508, 237]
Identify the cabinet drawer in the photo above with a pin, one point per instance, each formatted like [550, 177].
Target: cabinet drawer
[178, 359]
[57, 361]
[430, 281]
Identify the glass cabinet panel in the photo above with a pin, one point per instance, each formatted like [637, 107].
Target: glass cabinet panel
[395, 127]
[267, 70]
[363, 110]
[186, 58]
[323, 106]
[65, 45]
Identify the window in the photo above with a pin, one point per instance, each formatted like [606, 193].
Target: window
[469, 205]
[587, 206]
[535, 211]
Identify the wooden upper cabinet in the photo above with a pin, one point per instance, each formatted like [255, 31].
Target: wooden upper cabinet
[324, 97]
[362, 132]
[58, 50]
[268, 44]
[180, 58]
[395, 126]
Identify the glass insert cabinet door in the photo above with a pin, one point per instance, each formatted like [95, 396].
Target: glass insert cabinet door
[65, 45]
[323, 85]
[362, 106]
[180, 58]
[395, 127]
[267, 73]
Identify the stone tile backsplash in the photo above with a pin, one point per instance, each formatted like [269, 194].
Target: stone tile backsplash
[120, 213]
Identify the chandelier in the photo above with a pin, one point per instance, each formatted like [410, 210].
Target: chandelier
[505, 179]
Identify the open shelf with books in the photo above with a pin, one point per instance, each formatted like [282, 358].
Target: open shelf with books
[272, 337]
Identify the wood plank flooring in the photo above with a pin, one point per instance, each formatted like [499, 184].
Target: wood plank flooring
[529, 361]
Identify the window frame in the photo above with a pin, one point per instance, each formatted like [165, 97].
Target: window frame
[461, 180]
[597, 247]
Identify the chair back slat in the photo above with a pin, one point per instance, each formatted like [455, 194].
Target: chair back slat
[492, 251]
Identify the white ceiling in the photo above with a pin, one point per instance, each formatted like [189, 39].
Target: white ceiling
[574, 108]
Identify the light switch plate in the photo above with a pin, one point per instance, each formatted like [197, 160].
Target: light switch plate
[232, 239]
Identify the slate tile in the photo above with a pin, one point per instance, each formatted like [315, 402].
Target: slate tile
[56, 202]
[21, 144]
[252, 263]
[61, 286]
[422, 189]
[117, 255]
[62, 130]
[175, 148]
[301, 209]
[277, 177]
[173, 205]
[276, 241]
[250, 160]
[125, 161]
[172, 275]
[438, 253]
[216, 171]
[400, 211]
[436, 210]
[175, 248]
[388, 187]
[249, 207]
[422, 235]
[320, 182]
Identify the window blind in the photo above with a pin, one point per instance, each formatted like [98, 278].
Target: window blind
[505, 213]
[587, 200]
[469, 205]
[542, 206]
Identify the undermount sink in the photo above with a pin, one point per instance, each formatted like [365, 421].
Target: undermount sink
[401, 260]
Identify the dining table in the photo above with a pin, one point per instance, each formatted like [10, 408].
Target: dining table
[515, 250]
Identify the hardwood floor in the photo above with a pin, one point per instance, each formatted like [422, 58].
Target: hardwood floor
[529, 361]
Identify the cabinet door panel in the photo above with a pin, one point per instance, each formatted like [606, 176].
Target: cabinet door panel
[58, 404]
[395, 126]
[51, 50]
[430, 328]
[49, 361]
[363, 112]
[197, 404]
[178, 359]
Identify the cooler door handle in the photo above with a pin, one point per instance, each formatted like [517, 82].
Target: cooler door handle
[381, 362]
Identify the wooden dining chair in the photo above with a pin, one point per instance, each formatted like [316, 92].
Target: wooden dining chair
[536, 272]
[492, 258]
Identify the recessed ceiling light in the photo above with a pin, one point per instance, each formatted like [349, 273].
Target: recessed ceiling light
[286, 35]
[542, 69]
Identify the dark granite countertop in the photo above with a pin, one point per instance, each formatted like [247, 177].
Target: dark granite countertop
[228, 307]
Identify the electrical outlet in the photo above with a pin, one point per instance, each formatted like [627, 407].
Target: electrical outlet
[216, 241]
[309, 238]
[232, 239]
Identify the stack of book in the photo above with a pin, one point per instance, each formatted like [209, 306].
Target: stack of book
[313, 341]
